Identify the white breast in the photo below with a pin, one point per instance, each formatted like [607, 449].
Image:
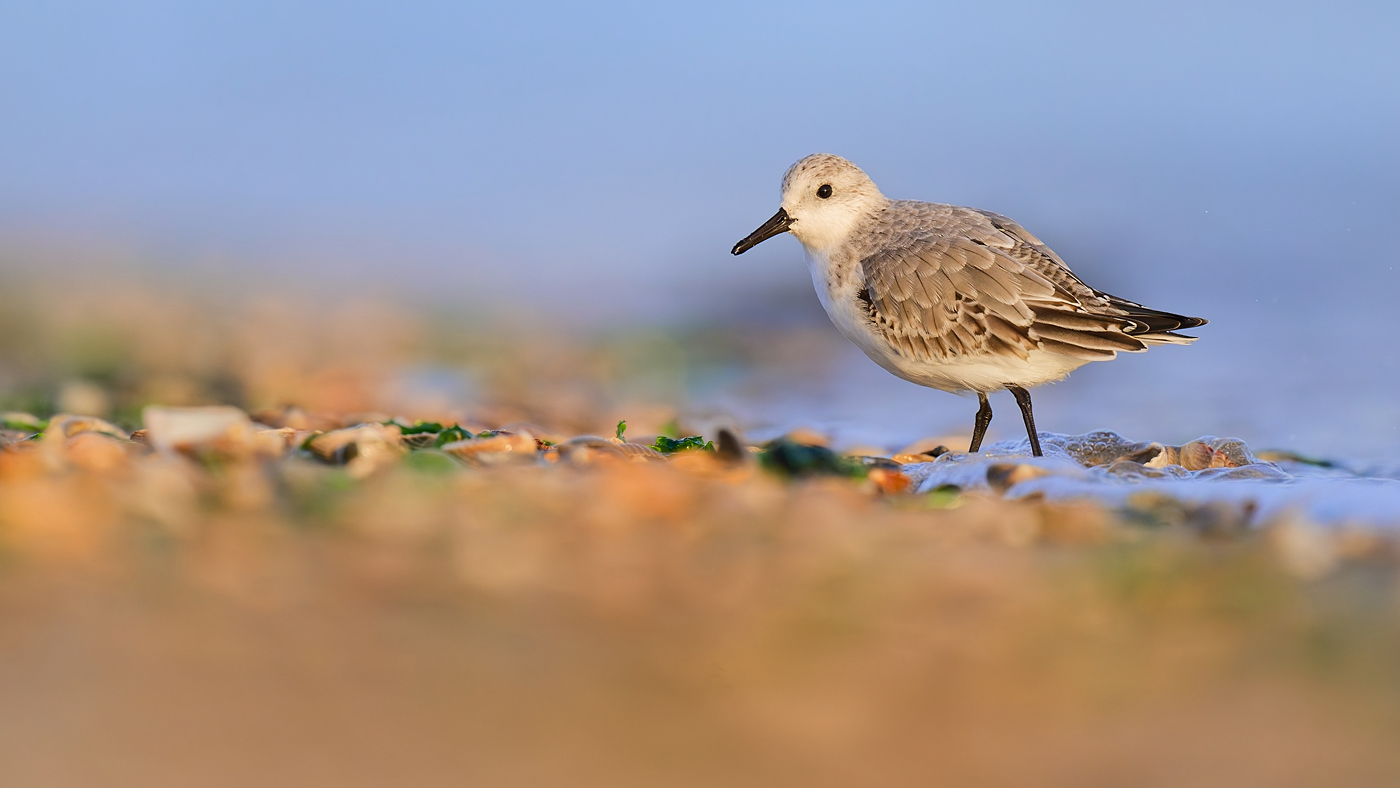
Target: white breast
[837, 288]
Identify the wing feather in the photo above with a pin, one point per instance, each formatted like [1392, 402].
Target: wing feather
[943, 283]
[1095, 340]
[1076, 351]
[986, 285]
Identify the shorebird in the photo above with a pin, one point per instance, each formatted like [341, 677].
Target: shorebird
[957, 299]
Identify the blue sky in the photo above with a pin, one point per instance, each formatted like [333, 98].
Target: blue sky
[606, 148]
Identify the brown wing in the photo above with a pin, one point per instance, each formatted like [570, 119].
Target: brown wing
[1141, 321]
[952, 283]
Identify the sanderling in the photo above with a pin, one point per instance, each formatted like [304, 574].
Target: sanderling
[957, 299]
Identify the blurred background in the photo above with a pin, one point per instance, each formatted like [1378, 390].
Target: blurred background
[572, 178]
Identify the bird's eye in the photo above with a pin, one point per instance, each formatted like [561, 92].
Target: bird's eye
[825, 191]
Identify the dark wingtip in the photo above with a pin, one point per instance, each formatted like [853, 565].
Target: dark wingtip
[1153, 321]
[1188, 322]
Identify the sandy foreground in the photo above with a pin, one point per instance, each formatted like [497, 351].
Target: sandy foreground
[217, 601]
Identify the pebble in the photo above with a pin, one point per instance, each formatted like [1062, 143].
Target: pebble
[362, 449]
[499, 449]
[216, 428]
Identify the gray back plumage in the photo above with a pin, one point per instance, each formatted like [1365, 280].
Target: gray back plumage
[943, 282]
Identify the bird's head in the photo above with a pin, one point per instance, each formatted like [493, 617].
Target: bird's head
[824, 198]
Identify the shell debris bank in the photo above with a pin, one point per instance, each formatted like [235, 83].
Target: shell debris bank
[275, 464]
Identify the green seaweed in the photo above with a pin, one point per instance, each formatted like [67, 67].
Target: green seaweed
[450, 435]
[787, 457]
[416, 428]
[667, 445]
[944, 496]
[23, 422]
[431, 461]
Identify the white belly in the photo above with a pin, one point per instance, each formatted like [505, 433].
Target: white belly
[989, 372]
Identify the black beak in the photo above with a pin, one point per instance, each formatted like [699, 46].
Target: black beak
[778, 224]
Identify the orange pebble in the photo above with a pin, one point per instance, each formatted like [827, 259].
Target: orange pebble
[95, 451]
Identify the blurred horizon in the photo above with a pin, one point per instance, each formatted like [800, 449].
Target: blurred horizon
[592, 166]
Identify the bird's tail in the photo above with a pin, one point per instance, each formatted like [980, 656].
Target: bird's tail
[1155, 327]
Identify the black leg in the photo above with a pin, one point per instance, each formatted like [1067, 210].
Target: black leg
[984, 417]
[1023, 398]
